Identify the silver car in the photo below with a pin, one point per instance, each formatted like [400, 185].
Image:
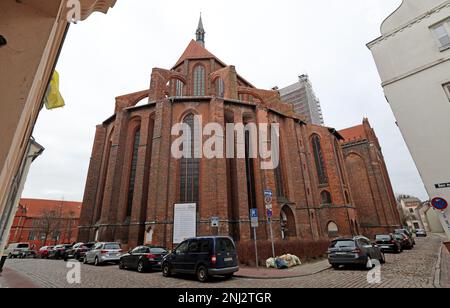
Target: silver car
[103, 253]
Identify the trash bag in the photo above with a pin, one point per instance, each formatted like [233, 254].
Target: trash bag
[291, 260]
[270, 263]
[281, 264]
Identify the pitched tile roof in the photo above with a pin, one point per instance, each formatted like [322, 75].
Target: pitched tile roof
[196, 51]
[354, 133]
[35, 207]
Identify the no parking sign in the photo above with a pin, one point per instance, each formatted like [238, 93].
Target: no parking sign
[439, 204]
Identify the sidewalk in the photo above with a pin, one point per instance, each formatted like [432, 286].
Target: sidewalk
[13, 280]
[307, 269]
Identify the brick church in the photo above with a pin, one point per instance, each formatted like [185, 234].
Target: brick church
[320, 187]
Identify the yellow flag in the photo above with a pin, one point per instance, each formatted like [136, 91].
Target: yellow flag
[53, 98]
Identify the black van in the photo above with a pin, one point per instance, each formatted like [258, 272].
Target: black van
[204, 257]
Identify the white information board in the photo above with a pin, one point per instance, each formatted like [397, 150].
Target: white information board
[184, 222]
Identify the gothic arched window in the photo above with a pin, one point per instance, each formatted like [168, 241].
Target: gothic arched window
[320, 162]
[333, 230]
[326, 197]
[199, 81]
[220, 88]
[132, 179]
[190, 169]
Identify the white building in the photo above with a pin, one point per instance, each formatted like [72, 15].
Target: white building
[413, 59]
[302, 96]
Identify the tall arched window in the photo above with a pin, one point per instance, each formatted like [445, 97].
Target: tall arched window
[199, 81]
[179, 85]
[190, 170]
[320, 162]
[132, 179]
[326, 197]
[220, 88]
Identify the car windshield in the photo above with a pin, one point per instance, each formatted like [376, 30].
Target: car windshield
[22, 246]
[343, 244]
[399, 237]
[383, 238]
[224, 245]
[112, 246]
[158, 250]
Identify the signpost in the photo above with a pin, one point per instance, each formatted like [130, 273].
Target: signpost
[255, 224]
[268, 199]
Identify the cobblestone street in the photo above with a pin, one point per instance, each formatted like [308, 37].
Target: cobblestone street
[411, 269]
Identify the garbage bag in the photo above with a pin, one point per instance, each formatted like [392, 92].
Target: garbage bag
[291, 260]
[270, 263]
[281, 264]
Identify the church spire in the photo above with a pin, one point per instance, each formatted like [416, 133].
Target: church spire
[200, 34]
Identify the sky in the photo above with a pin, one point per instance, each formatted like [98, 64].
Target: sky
[270, 43]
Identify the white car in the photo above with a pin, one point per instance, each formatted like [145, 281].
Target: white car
[15, 250]
[103, 253]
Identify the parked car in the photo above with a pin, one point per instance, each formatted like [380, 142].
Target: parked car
[15, 250]
[78, 251]
[407, 233]
[59, 251]
[143, 258]
[421, 233]
[28, 253]
[354, 251]
[405, 241]
[103, 253]
[43, 252]
[203, 257]
[388, 243]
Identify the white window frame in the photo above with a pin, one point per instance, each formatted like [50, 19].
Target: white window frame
[446, 24]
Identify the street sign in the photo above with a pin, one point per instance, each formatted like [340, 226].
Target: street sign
[268, 196]
[254, 218]
[269, 213]
[442, 185]
[215, 222]
[439, 204]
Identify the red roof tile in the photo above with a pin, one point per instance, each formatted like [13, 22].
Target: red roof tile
[354, 133]
[196, 51]
[35, 207]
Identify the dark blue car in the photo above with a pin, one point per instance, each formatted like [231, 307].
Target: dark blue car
[203, 257]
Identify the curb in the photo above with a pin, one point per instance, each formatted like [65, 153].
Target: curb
[282, 278]
[437, 269]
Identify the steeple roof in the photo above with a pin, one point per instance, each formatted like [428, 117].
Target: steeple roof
[196, 51]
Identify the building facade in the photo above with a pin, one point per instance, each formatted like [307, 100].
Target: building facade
[413, 59]
[303, 98]
[134, 182]
[37, 29]
[45, 222]
[409, 208]
[369, 181]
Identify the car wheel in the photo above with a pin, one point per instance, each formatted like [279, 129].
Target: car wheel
[85, 261]
[202, 274]
[9, 256]
[141, 267]
[96, 261]
[335, 266]
[121, 265]
[167, 271]
[383, 258]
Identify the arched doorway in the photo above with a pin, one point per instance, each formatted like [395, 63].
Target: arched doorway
[288, 226]
[333, 229]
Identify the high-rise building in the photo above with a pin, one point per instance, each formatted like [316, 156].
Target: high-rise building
[301, 95]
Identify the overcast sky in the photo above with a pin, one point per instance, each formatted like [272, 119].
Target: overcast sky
[270, 43]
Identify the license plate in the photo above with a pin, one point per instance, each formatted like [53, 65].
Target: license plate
[341, 253]
[228, 259]
[385, 247]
